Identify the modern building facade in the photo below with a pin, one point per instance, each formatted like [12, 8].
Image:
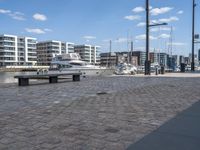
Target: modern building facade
[163, 59]
[153, 57]
[141, 57]
[48, 49]
[108, 59]
[115, 58]
[181, 59]
[88, 53]
[172, 62]
[195, 59]
[15, 50]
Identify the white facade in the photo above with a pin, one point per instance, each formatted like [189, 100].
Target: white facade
[88, 53]
[48, 49]
[69, 47]
[15, 50]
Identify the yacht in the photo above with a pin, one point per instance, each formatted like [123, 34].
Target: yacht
[72, 63]
[125, 69]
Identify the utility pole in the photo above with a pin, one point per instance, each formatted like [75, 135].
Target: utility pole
[147, 62]
[170, 47]
[193, 27]
[110, 53]
[131, 61]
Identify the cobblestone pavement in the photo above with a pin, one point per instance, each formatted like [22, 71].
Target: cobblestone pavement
[81, 116]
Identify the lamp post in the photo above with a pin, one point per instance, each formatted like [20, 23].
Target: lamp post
[147, 61]
[110, 64]
[193, 42]
[158, 24]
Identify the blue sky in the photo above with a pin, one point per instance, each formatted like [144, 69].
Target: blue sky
[98, 21]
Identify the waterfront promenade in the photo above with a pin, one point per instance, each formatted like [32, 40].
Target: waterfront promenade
[108, 113]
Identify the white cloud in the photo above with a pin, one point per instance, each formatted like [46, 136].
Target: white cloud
[3, 11]
[121, 40]
[140, 37]
[136, 41]
[158, 11]
[138, 9]
[48, 30]
[89, 37]
[143, 37]
[152, 37]
[17, 16]
[35, 31]
[162, 20]
[154, 21]
[39, 17]
[141, 24]
[156, 29]
[164, 36]
[180, 12]
[167, 20]
[177, 44]
[133, 17]
[14, 15]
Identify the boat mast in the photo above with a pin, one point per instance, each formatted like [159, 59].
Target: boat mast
[131, 52]
[128, 54]
[170, 47]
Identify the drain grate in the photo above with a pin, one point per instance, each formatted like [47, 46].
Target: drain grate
[111, 130]
[102, 93]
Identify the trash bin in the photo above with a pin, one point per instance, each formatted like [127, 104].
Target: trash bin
[162, 71]
[182, 67]
[156, 71]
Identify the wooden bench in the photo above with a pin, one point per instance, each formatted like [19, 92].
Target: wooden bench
[23, 80]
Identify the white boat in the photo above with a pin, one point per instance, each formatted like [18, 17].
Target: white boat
[72, 63]
[125, 69]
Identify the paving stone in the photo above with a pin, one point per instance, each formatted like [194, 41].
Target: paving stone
[73, 116]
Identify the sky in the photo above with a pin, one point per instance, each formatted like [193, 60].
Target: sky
[97, 22]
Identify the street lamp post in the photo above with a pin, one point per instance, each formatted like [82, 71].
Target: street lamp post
[110, 64]
[147, 61]
[193, 42]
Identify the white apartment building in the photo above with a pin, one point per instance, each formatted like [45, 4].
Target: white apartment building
[15, 50]
[48, 49]
[88, 53]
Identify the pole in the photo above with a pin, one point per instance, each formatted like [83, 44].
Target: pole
[193, 26]
[131, 52]
[110, 54]
[147, 62]
[128, 52]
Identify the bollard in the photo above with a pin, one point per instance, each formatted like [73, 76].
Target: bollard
[182, 67]
[156, 71]
[162, 70]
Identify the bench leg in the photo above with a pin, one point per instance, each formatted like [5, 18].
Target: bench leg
[23, 81]
[53, 79]
[76, 77]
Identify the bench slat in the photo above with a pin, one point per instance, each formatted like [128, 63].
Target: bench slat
[23, 80]
[45, 75]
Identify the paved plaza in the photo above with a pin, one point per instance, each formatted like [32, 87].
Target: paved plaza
[97, 113]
